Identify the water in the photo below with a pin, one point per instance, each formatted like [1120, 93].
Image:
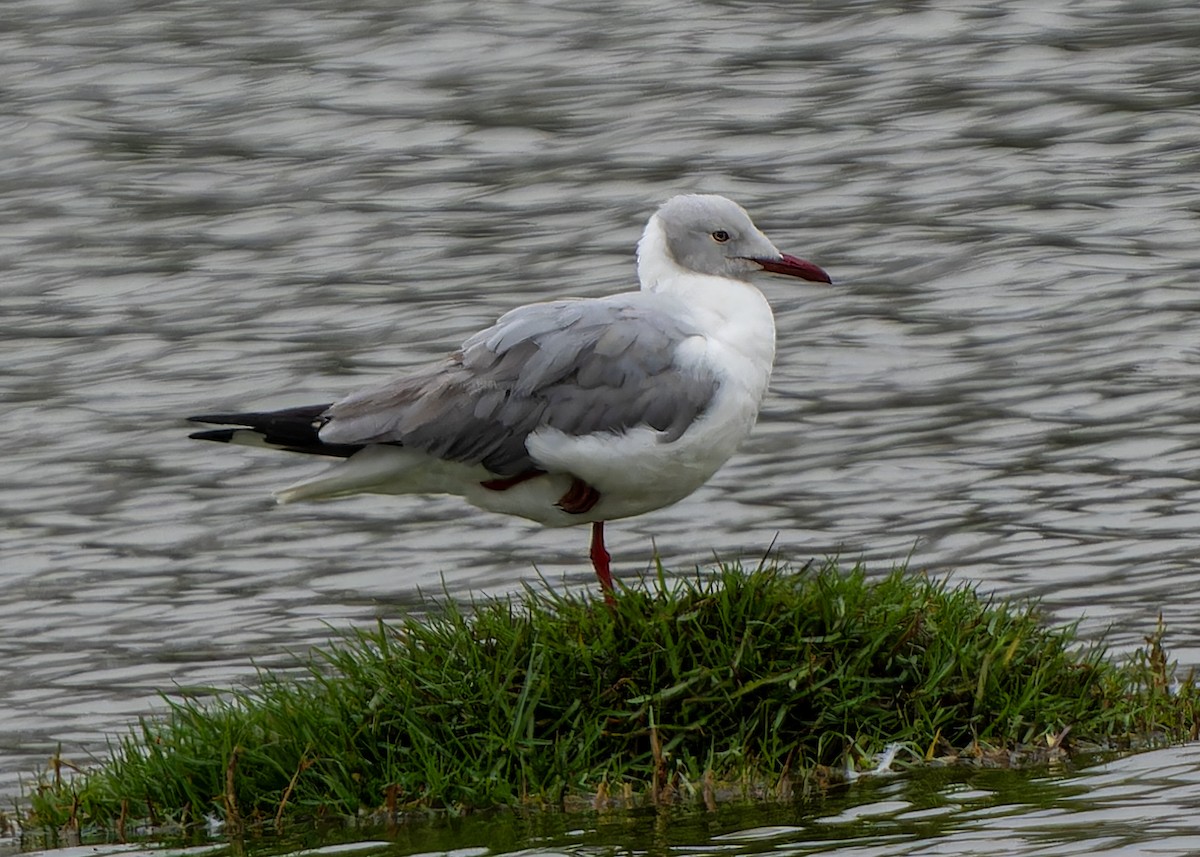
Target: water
[212, 205]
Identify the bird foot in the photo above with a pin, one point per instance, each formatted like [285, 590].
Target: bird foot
[506, 482]
[580, 498]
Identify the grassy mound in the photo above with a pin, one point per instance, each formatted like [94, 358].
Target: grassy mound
[753, 681]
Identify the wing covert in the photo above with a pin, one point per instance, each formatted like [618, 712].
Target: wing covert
[578, 366]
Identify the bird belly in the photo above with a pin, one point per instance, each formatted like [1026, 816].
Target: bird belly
[635, 471]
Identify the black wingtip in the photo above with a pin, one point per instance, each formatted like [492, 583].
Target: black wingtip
[224, 419]
[291, 429]
[219, 435]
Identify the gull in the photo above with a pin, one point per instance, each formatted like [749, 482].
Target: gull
[572, 411]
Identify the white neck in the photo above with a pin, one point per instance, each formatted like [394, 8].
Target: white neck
[733, 312]
[654, 263]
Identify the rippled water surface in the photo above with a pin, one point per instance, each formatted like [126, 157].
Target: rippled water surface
[220, 204]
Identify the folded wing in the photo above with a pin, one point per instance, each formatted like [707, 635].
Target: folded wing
[578, 366]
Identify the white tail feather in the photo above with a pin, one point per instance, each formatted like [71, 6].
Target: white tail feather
[373, 470]
[385, 469]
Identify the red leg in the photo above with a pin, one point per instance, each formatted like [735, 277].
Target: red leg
[601, 560]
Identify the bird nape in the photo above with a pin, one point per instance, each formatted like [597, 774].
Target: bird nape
[572, 411]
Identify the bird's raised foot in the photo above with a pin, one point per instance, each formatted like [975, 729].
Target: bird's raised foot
[580, 498]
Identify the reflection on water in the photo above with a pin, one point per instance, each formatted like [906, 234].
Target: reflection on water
[227, 205]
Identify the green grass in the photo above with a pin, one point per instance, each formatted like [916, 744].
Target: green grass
[733, 683]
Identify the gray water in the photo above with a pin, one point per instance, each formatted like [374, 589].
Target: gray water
[228, 205]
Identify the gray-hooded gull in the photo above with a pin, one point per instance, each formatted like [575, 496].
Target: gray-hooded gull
[573, 411]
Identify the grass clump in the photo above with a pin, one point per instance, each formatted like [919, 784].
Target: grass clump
[748, 683]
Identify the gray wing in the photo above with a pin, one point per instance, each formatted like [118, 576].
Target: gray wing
[579, 366]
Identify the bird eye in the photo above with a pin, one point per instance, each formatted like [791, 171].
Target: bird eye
[720, 236]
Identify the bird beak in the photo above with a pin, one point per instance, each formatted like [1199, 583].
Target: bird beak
[794, 267]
